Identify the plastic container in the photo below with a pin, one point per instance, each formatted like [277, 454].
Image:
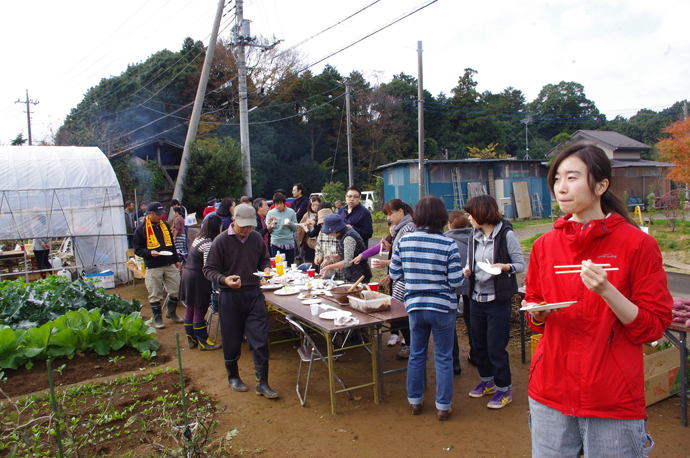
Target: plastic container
[105, 279]
[380, 302]
[56, 263]
[64, 273]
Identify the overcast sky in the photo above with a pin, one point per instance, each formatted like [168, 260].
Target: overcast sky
[629, 55]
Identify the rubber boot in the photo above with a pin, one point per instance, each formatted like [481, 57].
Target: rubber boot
[157, 318]
[170, 310]
[189, 330]
[202, 336]
[234, 377]
[262, 388]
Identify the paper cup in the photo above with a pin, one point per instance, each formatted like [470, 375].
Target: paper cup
[314, 309]
[293, 267]
[374, 286]
[311, 272]
[273, 262]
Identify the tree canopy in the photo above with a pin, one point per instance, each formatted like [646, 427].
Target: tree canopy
[297, 125]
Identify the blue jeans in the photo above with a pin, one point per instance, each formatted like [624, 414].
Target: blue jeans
[557, 435]
[441, 326]
[490, 332]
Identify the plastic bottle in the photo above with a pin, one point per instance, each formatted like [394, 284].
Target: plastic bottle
[64, 273]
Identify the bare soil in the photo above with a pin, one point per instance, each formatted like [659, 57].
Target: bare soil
[283, 427]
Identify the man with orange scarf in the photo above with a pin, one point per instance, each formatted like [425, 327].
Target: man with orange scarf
[153, 242]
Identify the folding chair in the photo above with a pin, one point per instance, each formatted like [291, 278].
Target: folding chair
[213, 310]
[309, 352]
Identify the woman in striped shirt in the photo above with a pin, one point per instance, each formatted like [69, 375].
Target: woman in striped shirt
[429, 264]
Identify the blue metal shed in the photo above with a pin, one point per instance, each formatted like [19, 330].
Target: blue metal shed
[454, 181]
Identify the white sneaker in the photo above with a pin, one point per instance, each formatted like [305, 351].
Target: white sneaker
[393, 341]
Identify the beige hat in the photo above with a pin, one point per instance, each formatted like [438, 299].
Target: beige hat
[322, 214]
[245, 215]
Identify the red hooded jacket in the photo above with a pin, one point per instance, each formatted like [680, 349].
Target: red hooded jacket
[588, 363]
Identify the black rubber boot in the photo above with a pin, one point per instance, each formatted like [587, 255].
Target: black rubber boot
[189, 330]
[262, 388]
[234, 377]
[157, 318]
[202, 336]
[170, 311]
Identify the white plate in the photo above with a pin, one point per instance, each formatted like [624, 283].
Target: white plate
[338, 282]
[281, 292]
[311, 301]
[301, 296]
[556, 305]
[488, 268]
[318, 291]
[271, 286]
[165, 253]
[263, 274]
[333, 314]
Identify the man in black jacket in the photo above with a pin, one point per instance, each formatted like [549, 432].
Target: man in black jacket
[234, 258]
[153, 242]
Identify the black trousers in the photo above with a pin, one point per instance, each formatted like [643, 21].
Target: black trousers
[244, 313]
[43, 261]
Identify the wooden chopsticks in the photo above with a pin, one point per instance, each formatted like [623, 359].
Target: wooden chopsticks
[580, 270]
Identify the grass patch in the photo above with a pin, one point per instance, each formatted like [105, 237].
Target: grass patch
[519, 224]
[527, 244]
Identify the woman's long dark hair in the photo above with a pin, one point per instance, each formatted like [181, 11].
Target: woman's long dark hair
[211, 228]
[225, 206]
[394, 205]
[599, 168]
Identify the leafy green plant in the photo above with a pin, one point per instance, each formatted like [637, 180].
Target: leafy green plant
[24, 305]
[82, 330]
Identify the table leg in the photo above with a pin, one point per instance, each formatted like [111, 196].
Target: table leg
[329, 346]
[683, 378]
[375, 359]
[379, 356]
[522, 335]
[681, 342]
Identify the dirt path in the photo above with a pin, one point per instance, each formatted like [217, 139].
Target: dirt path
[363, 428]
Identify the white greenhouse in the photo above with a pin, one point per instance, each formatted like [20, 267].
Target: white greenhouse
[69, 193]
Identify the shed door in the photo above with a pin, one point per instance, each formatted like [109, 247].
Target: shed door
[522, 202]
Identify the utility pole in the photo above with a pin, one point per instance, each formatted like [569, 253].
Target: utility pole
[29, 102]
[198, 103]
[241, 31]
[241, 37]
[350, 168]
[527, 120]
[420, 119]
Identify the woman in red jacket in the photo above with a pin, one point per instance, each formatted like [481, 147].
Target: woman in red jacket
[586, 386]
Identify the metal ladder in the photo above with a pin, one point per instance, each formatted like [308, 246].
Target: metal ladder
[457, 190]
[536, 205]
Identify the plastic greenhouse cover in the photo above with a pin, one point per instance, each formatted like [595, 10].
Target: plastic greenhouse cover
[63, 191]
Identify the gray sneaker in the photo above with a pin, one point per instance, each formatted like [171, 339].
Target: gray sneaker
[404, 352]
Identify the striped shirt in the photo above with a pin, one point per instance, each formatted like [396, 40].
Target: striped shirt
[431, 268]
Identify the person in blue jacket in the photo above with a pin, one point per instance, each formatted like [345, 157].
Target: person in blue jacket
[357, 216]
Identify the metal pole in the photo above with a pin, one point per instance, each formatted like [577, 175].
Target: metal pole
[350, 167]
[28, 114]
[198, 103]
[420, 118]
[244, 94]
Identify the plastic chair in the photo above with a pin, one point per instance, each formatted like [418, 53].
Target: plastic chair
[309, 352]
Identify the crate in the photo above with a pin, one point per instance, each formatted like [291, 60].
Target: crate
[104, 279]
[662, 373]
[533, 342]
